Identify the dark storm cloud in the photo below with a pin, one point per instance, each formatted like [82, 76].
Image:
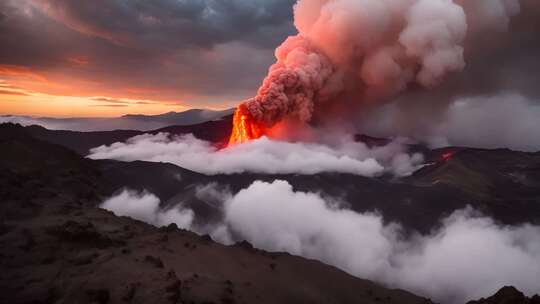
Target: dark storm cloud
[211, 50]
[175, 23]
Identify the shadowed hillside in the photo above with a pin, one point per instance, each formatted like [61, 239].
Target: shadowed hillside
[56, 247]
[215, 131]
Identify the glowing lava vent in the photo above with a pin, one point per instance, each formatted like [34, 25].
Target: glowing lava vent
[245, 128]
[448, 155]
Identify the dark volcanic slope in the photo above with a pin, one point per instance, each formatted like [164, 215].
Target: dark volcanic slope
[57, 248]
[215, 131]
[508, 295]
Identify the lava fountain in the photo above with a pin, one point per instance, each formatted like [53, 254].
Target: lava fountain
[245, 128]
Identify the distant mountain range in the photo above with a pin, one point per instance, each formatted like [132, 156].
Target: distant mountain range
[126, 122]
[216, 131]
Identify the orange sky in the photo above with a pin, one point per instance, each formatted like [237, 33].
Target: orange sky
[76, 59]
[37, 104]
[30, 93]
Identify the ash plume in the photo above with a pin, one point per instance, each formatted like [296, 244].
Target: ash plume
[369, 50]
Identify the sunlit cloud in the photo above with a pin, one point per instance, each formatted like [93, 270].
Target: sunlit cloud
[78, 60]
[15, 100]
[9, 92]
[15, 71]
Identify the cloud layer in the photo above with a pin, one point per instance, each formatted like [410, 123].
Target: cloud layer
[263, 156]
[501, 121]
[468, 257]
[144, 207]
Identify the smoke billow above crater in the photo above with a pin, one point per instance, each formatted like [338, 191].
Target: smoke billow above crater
[446, 69]
[369, 50]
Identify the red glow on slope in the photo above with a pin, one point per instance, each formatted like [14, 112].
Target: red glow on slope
[448, 155]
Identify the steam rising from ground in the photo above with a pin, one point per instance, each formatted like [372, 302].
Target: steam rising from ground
[264, 156]
[467, 258]
[145, 207]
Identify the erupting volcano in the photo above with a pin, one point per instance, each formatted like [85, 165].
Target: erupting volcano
[245, 128]
[368, 51]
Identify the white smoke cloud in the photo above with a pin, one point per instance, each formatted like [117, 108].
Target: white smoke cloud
[264, 156]
[144, 207]
[468, 257]
[434, 33]
[503, 121]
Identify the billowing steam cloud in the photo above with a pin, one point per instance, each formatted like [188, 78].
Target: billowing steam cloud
[145, 207]
[264, 156]
[467, 258]
[369, 49]
[502, 121]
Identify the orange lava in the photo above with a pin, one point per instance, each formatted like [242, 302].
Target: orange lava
[245, 128]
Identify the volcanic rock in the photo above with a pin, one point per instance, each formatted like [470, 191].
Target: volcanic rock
[508, 295]
[63, 249]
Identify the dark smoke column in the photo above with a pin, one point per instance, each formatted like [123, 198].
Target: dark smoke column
[301, 77]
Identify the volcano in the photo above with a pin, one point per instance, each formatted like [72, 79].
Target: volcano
[244, 127]
[378, 152]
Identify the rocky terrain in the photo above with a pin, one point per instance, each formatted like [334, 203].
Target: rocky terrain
[58, 247]
[81, 142]
[508, 295]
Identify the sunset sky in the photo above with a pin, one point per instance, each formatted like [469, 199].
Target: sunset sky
[111, 57]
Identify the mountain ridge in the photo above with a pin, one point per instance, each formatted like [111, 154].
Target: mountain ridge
[137, 122]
